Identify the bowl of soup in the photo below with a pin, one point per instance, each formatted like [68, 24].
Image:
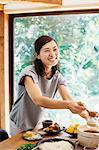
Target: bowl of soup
[88, 136]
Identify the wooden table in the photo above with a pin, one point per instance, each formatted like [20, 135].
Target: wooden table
[14, 142]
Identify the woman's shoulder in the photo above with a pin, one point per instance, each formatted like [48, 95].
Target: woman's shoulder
[57, 74]
[28, 71]
[29, 68]
[61, 79]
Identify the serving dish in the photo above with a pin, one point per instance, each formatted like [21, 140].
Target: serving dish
[52, 132]
[73, 135]
[93, 119]
[49, 142]
[88, 136]
[32, 136]
[27, 146]
[53, 129]
[72, 130]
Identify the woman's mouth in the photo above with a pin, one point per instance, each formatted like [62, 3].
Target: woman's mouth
[52, 59]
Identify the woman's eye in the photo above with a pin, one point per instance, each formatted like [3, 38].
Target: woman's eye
[46, 51]
[55, 49]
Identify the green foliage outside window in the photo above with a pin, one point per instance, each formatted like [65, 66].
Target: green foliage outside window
[78, 40]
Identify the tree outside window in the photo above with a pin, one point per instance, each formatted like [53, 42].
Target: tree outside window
[78, 39]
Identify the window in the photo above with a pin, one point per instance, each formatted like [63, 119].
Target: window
[78, 39]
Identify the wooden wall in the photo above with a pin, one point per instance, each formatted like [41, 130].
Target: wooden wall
[2, 88]
[4, 71]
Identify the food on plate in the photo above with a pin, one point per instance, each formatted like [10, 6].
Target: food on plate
[53, 127]
[72, 129]
[26, 147]
[93, 122]
[93, 119]
[59, 145]
[30, 135]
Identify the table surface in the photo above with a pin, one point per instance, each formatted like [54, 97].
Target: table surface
[14, 142]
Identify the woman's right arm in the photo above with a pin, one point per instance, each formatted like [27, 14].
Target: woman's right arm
[35, 94]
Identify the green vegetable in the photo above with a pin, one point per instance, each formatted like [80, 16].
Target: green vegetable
[26, 147]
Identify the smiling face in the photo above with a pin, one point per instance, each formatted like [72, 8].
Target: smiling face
[49, 54]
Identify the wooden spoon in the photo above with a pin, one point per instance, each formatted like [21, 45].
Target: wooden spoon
[93, 114]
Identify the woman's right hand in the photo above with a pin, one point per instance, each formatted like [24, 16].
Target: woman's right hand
[76, 107]
[84, 114]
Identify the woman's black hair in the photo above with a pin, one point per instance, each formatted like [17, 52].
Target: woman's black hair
[39, 67]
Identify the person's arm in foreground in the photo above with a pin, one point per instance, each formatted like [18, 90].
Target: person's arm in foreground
[35, 93]
[65, 96]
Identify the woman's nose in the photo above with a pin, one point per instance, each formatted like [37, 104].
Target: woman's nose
[52, 53]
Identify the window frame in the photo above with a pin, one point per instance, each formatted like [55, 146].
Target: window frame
[11, 38]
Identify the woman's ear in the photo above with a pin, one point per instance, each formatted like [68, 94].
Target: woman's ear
[38, 57]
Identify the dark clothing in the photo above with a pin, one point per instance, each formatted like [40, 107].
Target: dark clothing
[3, 135]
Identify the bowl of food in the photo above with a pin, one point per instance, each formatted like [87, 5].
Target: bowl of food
[88, 136]
[32, 136]
[72, 130]
[27, 146]
[93, 119]
[53, 129]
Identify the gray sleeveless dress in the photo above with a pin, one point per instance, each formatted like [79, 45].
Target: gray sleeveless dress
[25, 114]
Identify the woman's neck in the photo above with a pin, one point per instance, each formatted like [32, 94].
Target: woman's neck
[48, 73]
[48, 70]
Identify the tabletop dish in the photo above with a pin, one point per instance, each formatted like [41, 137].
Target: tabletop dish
[53, 129]
[72, 130]
[28, 146]
[56, 143]
[72, 135]
[52, 132]
[88, 136]
[31, 136]
[93, 119]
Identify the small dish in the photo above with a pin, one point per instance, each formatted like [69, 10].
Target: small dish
[72, 130]
[52, 132]
[28, 146]
[32, 136]
[73, 135]
[93, 119]
[53, 129]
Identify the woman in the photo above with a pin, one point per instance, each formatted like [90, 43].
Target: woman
[38, 85]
